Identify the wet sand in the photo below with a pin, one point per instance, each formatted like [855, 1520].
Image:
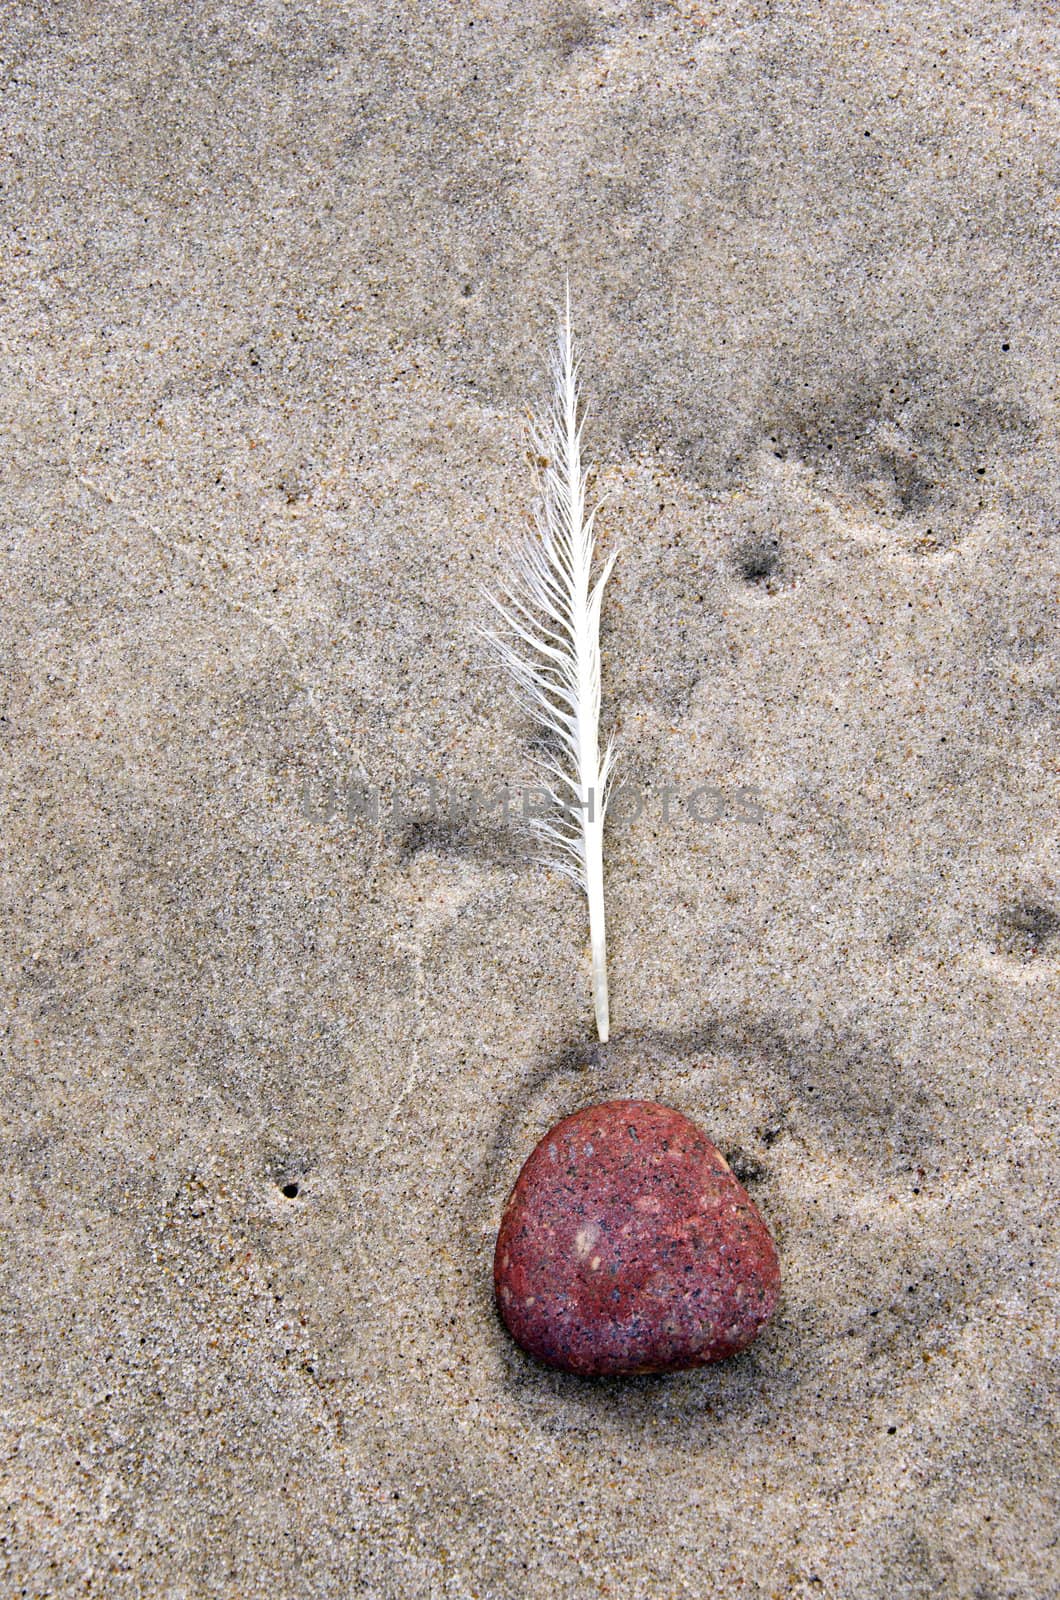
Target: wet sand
[279, 285]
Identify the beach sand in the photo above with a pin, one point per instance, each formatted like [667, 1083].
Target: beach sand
[279, 286]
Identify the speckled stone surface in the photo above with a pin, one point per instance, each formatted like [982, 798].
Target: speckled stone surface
[627, 1246]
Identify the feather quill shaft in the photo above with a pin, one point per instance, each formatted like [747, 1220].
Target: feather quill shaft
[550, 644]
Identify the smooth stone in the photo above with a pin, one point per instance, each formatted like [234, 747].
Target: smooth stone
[627, 1245]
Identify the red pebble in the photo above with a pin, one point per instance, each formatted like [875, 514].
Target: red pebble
[628, 1246]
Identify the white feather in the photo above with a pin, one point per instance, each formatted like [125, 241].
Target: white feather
[550, 644]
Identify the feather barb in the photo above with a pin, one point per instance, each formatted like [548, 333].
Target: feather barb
[549, 641]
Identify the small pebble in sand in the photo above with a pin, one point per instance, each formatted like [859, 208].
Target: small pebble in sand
[628, 1246]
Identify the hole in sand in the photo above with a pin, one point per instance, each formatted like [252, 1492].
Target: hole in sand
[759, 559]
[1026, 929]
